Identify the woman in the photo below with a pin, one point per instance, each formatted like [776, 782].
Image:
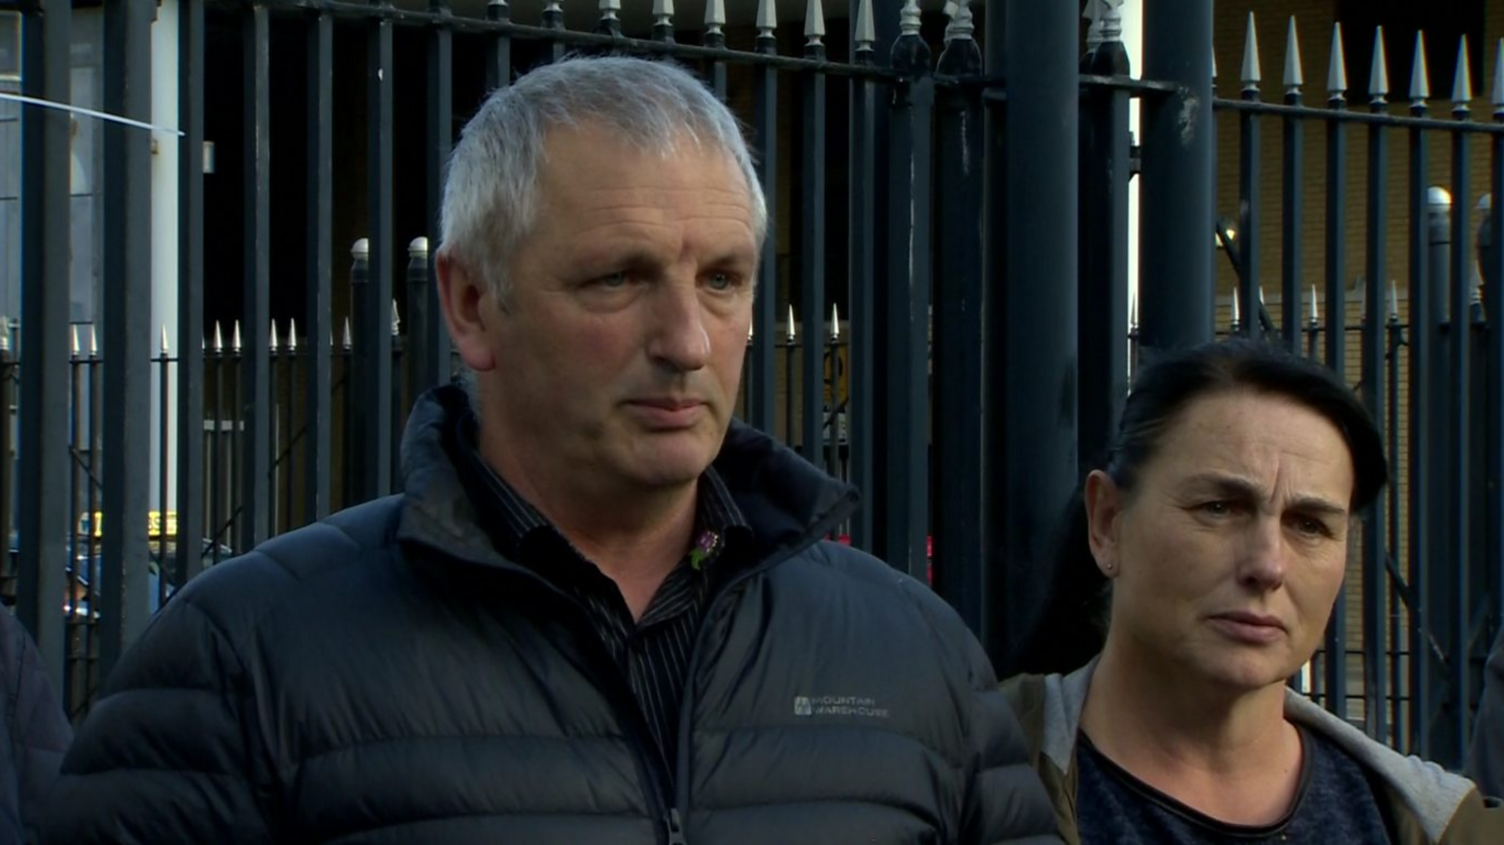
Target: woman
[1221, 524]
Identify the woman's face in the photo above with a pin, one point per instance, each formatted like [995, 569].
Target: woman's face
[1227, 556]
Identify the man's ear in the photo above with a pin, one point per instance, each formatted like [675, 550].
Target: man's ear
[1104, 504]
[465, 298]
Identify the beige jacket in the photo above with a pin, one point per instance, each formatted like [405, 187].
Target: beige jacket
[1429, 805]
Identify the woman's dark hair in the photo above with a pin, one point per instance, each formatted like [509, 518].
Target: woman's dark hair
[1070, 631]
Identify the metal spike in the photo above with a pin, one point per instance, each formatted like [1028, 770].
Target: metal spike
[1462, 84]
[715, 16]
[73, 330]
[1420, 74]
[235, 338]
[608, 9]
[292, 335]
[866, 33]
[164, 340]
[767, 18]
[961, 25]
[663, 11]
[1336, 74]
[396, 319]
[814, 23]
[1315, 308]
[1378, 72]
[1237, 315]
[361, 249]
[93, 341]
[1261, 294]
[346, 338]
[219, 338]
[1133, 309]
[275, 342]
[1498, 93]
[1295, 76]
[1214, 67]
[792, 331]
[4, 334]
[418, 247]
[908, 18]
[1252, 71]
[1394, 301]
[835, 323]
[750, 324]
[1093, 11]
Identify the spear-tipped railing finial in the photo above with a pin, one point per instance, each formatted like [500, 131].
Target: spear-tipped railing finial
[1462, 83]
[835, 323]
[792, 331]
[1252, 73]
[346, 340]
[1295, 75]
[1378, 72]
[961, 23]
[292, 335]
[1336, 74]
[1420, 75]
[866, 31]
[219, 338]
[274, 342]
[235, 338]
[814, 29]
[1496, 97]
[767, 21]
[164, 340]
[715, 18]
[663, 20]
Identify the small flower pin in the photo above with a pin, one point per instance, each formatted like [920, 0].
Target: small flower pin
[704, 547]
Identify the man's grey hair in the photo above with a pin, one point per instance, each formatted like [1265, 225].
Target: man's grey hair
[491, 190]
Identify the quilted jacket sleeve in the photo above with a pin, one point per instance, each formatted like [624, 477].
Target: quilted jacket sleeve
[1006, 801]
[38, 730]
[165, 756]
[1485, 764]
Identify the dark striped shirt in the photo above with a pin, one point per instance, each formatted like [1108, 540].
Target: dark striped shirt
[653, 652]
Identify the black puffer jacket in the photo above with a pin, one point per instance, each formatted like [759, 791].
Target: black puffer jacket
[34, 733]
[385, 677]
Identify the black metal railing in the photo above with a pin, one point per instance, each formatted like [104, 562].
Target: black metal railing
[923, 179]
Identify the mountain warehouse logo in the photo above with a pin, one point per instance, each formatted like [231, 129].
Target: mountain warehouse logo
[839, 705]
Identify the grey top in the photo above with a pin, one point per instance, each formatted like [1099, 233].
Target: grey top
[1333, 803]
[1485, 763]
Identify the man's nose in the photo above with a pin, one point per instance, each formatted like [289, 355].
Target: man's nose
[678, 337]
[1265, 558]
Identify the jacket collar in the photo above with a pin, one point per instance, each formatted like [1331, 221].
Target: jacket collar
[788, 503]
[1430, 792]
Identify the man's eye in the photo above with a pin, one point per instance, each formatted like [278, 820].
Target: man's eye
[1216, 508]
[720, 281]
[1311, 527]
[615, 280]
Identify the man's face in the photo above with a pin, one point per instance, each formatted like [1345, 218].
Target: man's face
[619, 349]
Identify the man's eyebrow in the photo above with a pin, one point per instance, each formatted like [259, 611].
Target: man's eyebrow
[1237, 487]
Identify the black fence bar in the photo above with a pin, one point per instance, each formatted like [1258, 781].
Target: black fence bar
[1175, 298]
[994, 632]
[1421, 320]
[42, 526]
[812, 260]
[1493, 289]
[428, 334]
[318, 318]
[498, 58]
[1334, 684]
[190, 314]
[762, 402]
[416, 355]
[863, 259]
[1039, 431]
[553, 22]
[1248, 196]
[255, 357]
[1395, 737]
[908, 298]
[373, 336]
[1460, 457]
[127, 334]
[1375, 552]
[956, 479]
[715, 39]
[1292, 213]
[1104, 250]
[1438, 581]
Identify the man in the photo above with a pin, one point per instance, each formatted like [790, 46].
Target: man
[1485, 763]
[595, 615]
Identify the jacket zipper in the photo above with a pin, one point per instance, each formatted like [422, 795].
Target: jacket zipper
[676, 834]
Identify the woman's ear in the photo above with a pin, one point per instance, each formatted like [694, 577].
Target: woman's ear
[1104, 503]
